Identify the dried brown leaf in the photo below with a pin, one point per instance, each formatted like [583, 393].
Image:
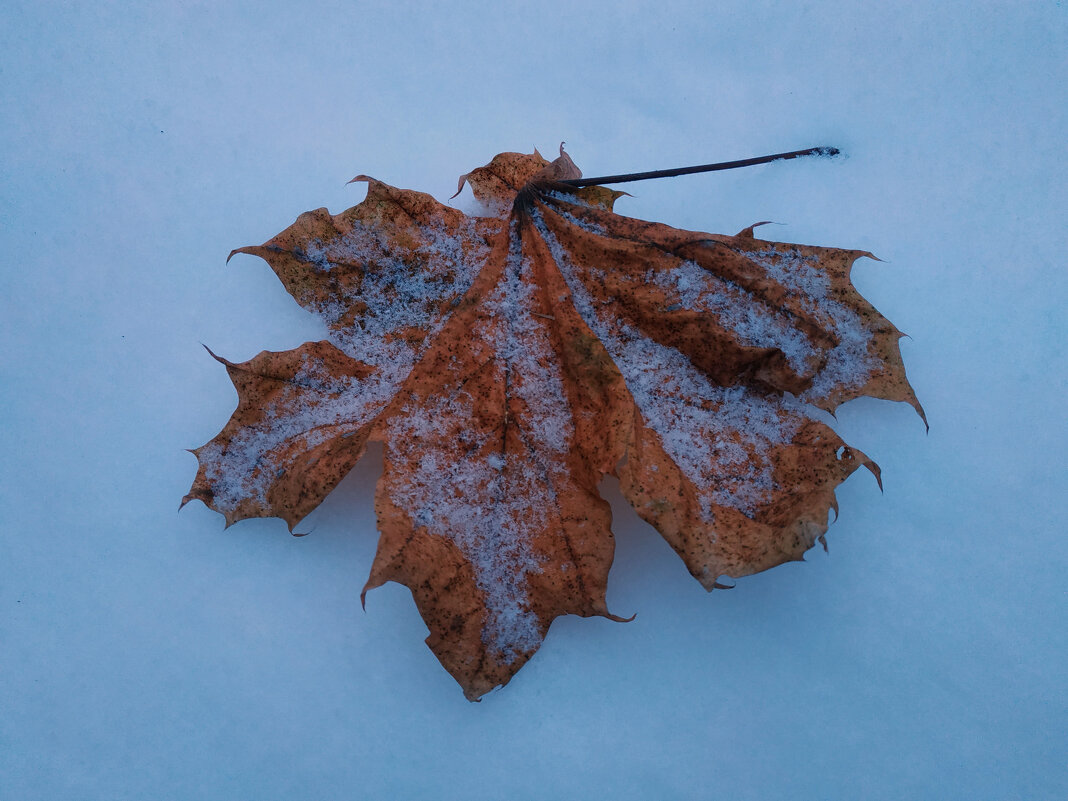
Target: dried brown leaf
[509, 362]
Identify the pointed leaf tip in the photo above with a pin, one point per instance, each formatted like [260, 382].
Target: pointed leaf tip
[460, 185]
[748, 233]
[215, 356]
[250, 250]
[923, 415]
[876, 471]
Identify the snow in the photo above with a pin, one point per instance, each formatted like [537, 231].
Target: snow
[575, 219]
[149, 654]
[719, 436]
[523, 343]
[397, 290]
[849, 364]
[753, 322]
[491, 503]
[306, 411]
[481, 505]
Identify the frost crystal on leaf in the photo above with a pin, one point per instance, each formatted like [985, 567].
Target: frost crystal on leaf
[509, 362]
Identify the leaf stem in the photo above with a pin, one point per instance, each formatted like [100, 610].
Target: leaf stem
[722, 165]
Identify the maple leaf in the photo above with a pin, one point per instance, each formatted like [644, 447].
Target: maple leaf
[509, 362]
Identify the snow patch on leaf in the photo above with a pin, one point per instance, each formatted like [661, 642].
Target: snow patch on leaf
[720, 437]
[306, 412]
[521, 341]
[490, 500]
[485, 502]
[749, 319]
[849, 364]
[400, 290]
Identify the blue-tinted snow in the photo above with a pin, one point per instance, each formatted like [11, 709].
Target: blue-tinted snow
[147, 654]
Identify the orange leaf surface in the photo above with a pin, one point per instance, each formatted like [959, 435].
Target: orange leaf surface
[509, 362]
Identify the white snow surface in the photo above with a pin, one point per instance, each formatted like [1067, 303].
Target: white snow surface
[149, 654]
